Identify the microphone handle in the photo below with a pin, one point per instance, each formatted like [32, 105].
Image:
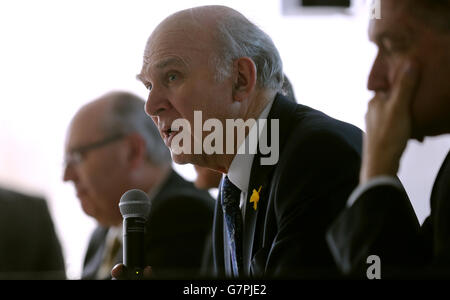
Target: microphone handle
[133, 246]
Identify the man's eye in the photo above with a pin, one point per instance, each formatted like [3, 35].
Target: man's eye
[148, 86]
[172, 77]
[393, 47]
[387, 45]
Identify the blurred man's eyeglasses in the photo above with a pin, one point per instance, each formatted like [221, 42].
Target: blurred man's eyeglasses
[75, 156]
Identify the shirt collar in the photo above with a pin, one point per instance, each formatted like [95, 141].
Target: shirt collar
[241, 166]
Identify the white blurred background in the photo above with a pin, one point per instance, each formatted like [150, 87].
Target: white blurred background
[57, 55]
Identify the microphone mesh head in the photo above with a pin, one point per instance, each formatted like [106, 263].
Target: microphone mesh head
[134, 203]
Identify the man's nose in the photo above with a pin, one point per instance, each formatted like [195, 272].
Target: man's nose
[157, 101]
[378, 77]
[69, 173]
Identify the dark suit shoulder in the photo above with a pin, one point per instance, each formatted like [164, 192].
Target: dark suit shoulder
[181, 203]
[178, 192]
[319, 154]
[30, 245]
[323, 129]
[177, 229]
[25, 211]
[10, 199]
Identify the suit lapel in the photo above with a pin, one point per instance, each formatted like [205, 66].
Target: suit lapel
[260, 177]
[95, 252]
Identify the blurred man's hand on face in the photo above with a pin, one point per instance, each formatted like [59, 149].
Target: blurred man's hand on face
[388, 125]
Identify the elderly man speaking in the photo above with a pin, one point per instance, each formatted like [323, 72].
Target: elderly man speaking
[271, 215]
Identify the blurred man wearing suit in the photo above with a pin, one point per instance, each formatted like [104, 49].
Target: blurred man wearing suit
[410, 78]
[112, 147]
[271, 215]
[29, 247]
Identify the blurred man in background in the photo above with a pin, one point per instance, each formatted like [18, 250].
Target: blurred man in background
[29, 247]
[410, 78]
[111, 147]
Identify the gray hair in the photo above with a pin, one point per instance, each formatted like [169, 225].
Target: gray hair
[237, 37]
[127, 116]
[287, 89]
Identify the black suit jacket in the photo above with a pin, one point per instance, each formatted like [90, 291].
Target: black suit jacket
[300, 195]
[176, 232]
[29, 247]
[382, 221]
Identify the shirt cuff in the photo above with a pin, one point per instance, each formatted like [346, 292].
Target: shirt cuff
[374, 182]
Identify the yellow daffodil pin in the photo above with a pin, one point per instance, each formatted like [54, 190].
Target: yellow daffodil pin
[255, 197]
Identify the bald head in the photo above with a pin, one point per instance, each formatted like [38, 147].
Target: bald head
[90, 120]
[224, 35]
[195, 23]
[205, 17]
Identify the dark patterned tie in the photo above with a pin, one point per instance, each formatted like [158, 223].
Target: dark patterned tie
[233, 217]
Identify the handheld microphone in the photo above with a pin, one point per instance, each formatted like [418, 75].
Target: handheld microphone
[134, 206]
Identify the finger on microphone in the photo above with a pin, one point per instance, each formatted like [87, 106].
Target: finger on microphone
[118, 272]
[147, 272]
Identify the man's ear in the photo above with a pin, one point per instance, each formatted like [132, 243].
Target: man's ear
[244, 78]
[136, 150]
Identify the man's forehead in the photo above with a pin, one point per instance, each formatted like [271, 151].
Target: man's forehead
[88, 121]
[172, 48]
[378, 31]
[174, 53]
[161, 64]
[160, 49]
[80, 133]
[177, 34]
[394, 23]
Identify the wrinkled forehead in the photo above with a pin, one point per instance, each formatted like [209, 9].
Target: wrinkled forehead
[179, 35]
